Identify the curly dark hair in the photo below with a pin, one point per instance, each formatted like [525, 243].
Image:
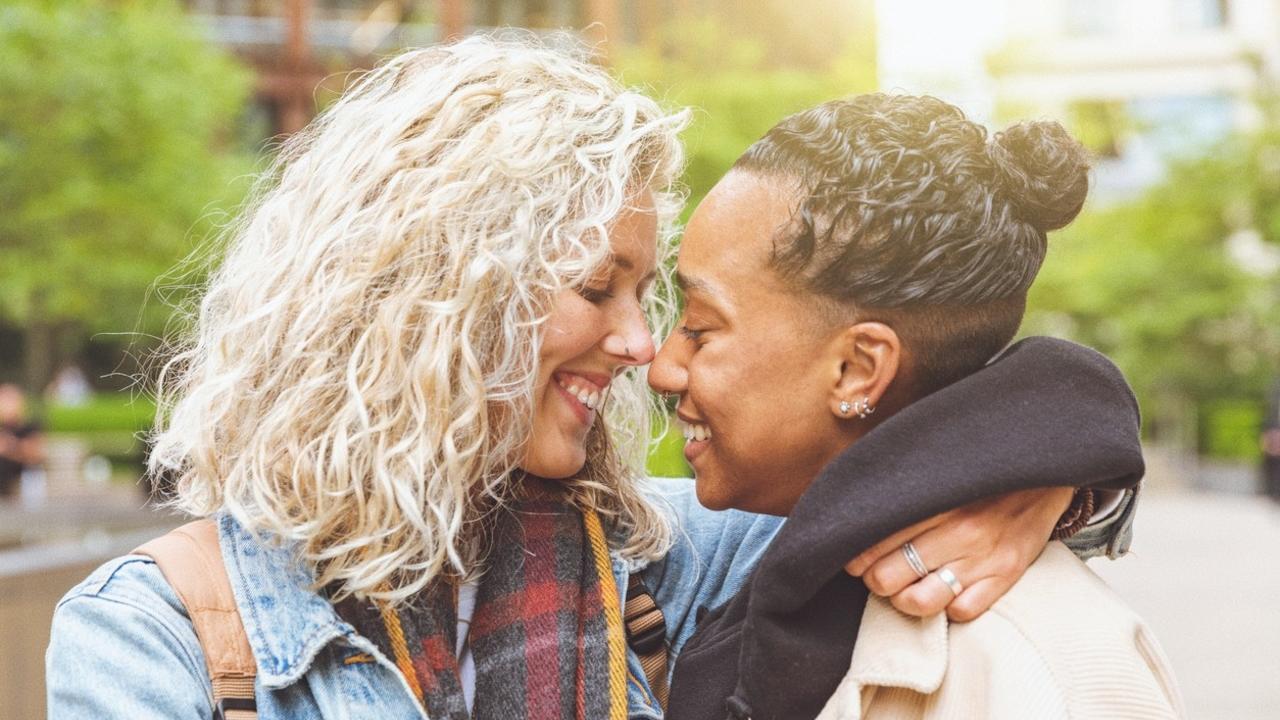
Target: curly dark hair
[910, 215]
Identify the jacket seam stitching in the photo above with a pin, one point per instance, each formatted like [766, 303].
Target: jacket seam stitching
[201, 669]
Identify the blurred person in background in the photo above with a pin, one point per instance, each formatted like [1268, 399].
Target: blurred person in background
[21, 440]
[411, 404]
[1270, 443]
[848, 285]
[69, 387]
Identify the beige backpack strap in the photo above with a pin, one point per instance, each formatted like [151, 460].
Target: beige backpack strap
[191, 562]
[647, 635]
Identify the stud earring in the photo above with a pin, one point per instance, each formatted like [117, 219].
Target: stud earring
[845, 407]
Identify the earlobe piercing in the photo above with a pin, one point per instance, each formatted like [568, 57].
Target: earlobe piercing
[861, 408]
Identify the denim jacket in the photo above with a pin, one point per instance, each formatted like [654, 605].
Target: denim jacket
[122, 645]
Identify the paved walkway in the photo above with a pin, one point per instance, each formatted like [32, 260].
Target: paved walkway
[1204, 572]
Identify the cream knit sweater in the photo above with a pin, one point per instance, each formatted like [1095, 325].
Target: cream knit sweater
[1060, 645]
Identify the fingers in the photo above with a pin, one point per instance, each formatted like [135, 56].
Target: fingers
[891, 574]
[988, 545]
[979, 598]
[983, 579]
[945, 544]
[929, 596]
[892, 544]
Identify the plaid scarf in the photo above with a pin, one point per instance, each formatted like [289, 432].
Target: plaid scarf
[546, 636]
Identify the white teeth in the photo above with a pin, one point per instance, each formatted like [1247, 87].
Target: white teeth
[694, 432]
[591, 398]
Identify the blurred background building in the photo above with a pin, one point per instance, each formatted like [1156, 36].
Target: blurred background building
[131, 129]
[1149, 79]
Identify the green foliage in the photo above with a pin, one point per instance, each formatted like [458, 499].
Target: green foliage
[666, 454]
[1232, 430]
[117, 149]
[735, 90]
[104, 412]
[1151, 284]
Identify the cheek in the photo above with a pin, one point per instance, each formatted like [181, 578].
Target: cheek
[568, 334]
[756, 401]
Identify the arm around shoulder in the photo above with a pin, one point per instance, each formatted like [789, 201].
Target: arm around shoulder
[121, 646]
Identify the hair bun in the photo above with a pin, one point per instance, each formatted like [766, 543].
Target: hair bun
[1045, 172]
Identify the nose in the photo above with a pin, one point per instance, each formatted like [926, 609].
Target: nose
[631, 342]
[669, 373]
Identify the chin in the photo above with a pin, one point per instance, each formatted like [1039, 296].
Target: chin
[556, 468]
[710, 496]
[562, 472]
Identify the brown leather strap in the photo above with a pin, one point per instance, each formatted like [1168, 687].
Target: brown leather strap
[191, 562]
[647, 635]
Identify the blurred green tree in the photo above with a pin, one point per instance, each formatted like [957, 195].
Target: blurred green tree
[1179, 287]
[117, 151]
[737, 88]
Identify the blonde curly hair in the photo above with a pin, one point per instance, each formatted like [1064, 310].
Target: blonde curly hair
[358, 377]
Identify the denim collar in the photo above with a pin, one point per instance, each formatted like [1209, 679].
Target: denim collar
[287, 622]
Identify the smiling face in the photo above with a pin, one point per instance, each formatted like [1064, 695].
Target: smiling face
[753, 360]
[592, 331]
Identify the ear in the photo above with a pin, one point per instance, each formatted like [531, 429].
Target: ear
[868, 355]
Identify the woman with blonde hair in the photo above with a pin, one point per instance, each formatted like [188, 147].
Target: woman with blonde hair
[411, 403]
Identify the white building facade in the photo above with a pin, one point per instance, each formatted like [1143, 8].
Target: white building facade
[1142, 81]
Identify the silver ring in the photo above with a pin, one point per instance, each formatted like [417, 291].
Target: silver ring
[950, 580]
[913, 559]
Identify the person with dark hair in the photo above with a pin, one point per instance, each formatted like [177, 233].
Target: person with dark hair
[848, 285]
[21, 440]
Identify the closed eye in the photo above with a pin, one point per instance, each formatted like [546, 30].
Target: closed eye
[594, 295]
[690, 333]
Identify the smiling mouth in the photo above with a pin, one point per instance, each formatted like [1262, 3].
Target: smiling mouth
[588, 396]
[584, 392]
[695, 432]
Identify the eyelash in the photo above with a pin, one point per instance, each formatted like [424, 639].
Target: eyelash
[693, 335]
[594, 295]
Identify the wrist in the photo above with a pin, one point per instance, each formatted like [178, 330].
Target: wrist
[1077, 515]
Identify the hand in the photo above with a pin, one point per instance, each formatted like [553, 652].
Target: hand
[988, 545]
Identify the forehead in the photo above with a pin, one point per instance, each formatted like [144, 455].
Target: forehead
[730, 237]
[633, 237]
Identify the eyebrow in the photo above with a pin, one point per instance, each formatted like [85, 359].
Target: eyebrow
[626, 264]
[699, 286]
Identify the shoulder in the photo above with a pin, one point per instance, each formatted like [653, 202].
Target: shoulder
[703, 538]
[1059, 595]
[678, 497]
[121, 635]
[1063, 630]
[129, 581]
